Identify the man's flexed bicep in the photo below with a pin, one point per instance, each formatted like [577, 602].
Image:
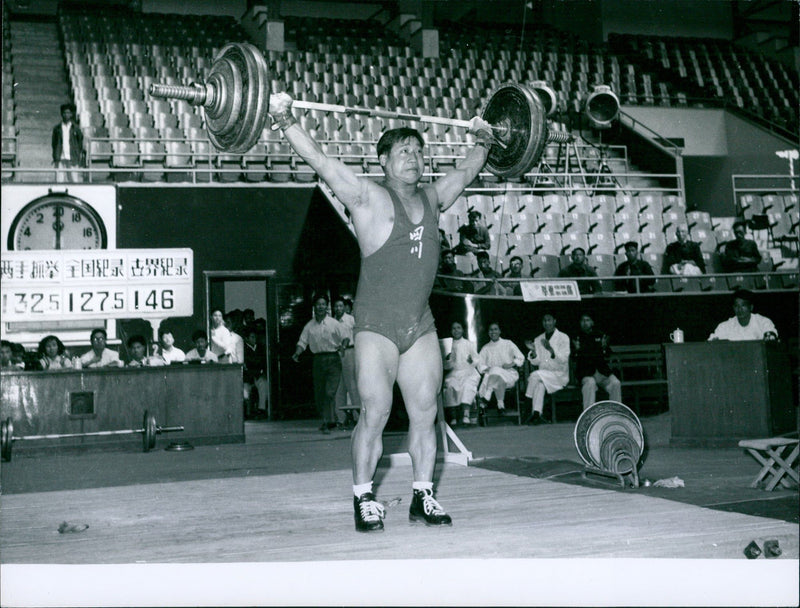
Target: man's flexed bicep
[450, 187]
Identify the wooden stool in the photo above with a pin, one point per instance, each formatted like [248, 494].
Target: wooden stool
[775, 468]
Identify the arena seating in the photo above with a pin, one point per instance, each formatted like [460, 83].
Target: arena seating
[9, 129]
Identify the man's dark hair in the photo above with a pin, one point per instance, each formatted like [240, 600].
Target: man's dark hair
[515, 257]
[482, 255]
[68, 106]
[337, 300]
[393, 136]
[99, 330]
[320, 296]
[5, 343]
[581, 249]
[199, 334]
[137, 339]
[474, 213]
[632, 244]
[738, 223]
[743, 294]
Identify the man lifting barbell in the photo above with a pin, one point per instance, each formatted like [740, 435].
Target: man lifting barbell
[396, 225]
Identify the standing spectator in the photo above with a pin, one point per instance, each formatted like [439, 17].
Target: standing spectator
[485, 271]
[67, 143]
[745, 324]
[255, 361]
[549, 352]
[474, 236]
[499, 360]
[223, 344]
[683, 257]
[741, 254]
[52, 354]
[233, 321]
[591, 363]
[99, 355]
[634, 266]
[447, 268]
[201, 352]
[323, 335]
[348, 385]
[461, 374]
[579, 268]
[137, 348]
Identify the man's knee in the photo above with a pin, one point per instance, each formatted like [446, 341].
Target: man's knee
[589, 383]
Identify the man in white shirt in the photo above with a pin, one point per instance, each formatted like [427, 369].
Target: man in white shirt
[348, 385]
[745, 324]
[169, 352]
[462, 377]
[201, 352]
[499, 360]
[549, 352]
[323, 336]
[99, 355]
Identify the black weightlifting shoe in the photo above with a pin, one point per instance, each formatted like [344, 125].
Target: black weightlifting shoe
[537, 419]
[368, 513]
[424, 508]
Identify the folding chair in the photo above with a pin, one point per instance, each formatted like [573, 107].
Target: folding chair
[775, 466]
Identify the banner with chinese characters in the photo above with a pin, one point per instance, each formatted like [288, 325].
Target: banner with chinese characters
[99, 284]
[535, 291]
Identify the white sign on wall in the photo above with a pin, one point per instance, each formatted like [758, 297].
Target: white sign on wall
[62, 285]
[564, 290]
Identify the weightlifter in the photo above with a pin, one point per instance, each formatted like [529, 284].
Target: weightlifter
[396, 223]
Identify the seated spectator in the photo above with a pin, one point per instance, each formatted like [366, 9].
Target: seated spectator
[21, 359]
[549, 352]
[461, 375]
[167, 351]
[580, 268]
[485, 271]
[499, 360]
[591, 363]
[99, 355]
[447, 267]
[473, 237]
[7, 357]
[137, 349]
[53, 354]
[741, 254]
[200, 353]
[683, 257]
[745, 324]
[444, 241]
[634, 266]
[514, 271]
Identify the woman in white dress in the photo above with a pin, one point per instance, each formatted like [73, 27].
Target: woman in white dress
[462, 377]
[221, 340]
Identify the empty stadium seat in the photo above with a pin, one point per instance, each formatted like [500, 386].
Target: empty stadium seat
[548, 243]
[544, 266]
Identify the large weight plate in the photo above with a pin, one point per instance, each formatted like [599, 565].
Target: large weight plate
[603, 422]
[6, 438]
[520, 113]
[149, 434]
[238, 113]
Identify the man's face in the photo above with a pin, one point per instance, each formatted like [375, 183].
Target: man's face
[66, 115]
[494, 332]
[457, 331]
[742, 309]
[449, 259]
[474, 219]
[138, 351]
[320, 308]
[484, 263]
[201, 344]
[338, 310]
[549, 323]
[631, 254]
[167, 340]
[516, 267]
[216, 318]
[98, 343]
[587, 323]
[5, 354]
[404, 162]
[51, 348]
[681, 233]
[251, 338]
[578, 257]
[739, 232]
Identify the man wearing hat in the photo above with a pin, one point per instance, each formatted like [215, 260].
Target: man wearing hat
[67, 144]
[745, 324]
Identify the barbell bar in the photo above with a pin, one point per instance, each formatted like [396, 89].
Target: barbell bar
[148, 431]
[235, 101]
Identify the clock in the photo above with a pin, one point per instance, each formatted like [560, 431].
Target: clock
[57, 221]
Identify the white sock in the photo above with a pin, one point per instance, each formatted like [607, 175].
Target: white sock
[501, 405]
[362, 488]
[422, 485]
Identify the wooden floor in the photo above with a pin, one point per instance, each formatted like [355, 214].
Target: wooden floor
[306, 518]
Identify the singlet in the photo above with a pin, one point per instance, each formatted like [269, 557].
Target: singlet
[396, 280]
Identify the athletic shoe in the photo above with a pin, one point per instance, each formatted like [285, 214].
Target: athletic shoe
[368, 513]
[466, 420]
[425, 508]
[537, 419]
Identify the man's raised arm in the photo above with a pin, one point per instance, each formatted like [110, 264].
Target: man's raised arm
[449, 187]
[347, 186]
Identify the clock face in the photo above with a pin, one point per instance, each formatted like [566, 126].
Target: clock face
[57, 221]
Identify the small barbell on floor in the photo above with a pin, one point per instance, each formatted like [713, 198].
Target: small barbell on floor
[235, 100]
[148, 431]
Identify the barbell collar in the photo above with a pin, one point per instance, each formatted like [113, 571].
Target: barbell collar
[197, 94]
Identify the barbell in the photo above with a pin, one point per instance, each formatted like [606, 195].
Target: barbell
[148, 431]
[235, 100]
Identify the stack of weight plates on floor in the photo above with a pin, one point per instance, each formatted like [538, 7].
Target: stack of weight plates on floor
[609, 438]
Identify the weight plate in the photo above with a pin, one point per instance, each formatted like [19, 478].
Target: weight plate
[6, 439]
[149, 434]
[602, 423]
[519, 112]
[236, 116]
